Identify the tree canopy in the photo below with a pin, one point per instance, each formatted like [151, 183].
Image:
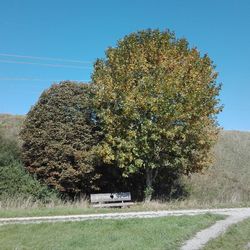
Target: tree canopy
[58, 135]
[157, 100]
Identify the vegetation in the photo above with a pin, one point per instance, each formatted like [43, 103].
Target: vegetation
[157, 101]
[225, 183]
[11, 124]
[227, 180]
[237, 237]
[156, 233]
[14, 180]
[58, 134]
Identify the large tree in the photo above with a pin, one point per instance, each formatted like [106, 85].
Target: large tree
[58, 135]
[157, 100]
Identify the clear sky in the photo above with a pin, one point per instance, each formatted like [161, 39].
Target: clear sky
[72, 31]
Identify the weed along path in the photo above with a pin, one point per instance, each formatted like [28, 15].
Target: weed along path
[234, 215]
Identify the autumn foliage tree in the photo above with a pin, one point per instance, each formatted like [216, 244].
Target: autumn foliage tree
[58, 135]
[157, 100]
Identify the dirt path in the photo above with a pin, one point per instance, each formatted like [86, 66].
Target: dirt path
[235, 215]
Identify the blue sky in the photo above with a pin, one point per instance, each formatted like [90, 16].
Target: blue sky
[82, 30]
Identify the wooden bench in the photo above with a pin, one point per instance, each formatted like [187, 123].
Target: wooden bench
[111, 200]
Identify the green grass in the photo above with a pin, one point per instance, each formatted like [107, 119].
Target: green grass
[31, 212]
[236, 238]
[151, 233]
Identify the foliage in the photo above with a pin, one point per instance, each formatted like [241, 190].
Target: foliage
[157, 102]
[226, 181]
[58, 135]
[9, 150]
[14, 180]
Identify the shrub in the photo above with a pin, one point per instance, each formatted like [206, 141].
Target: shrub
[14, 180]
[59, 133]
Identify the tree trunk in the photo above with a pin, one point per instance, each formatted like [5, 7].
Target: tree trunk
[149, 184]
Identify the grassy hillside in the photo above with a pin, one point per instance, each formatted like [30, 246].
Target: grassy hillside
[226, 181]
[11, 124]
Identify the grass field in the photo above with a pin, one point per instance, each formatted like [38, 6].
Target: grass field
[155, 233]
[236, 238]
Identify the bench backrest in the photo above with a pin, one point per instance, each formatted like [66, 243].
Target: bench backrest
[109, 197]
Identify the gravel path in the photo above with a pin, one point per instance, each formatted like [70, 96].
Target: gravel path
[127, 215]
[202, 237]
[235, 215]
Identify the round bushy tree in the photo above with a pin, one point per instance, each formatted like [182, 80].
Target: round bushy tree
[58, 135]
[157, 100]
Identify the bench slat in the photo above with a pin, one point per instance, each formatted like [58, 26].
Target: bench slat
[120, 204]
